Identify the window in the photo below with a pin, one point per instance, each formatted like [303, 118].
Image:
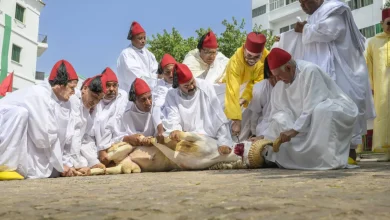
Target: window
[292, 26]
[290, 1]
[16, 53]
[274, 4]
[284, 29]
[19, 13]
[259, 11]
[378, 28]
[356, 4]
[368, 31]
[40, 75]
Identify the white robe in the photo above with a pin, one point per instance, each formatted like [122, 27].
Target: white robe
[49, 129]
[159, 94]
[83, 147]
[13, 148]
[134, 63]
[108, 119]
[332, 40]
[200, 113]
[323, 115]
[260, 107]
[135, 121]
[211, 73]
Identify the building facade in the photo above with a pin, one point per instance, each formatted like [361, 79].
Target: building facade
[281, 15]
[20, 41]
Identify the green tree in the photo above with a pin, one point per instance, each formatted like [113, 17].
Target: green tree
[387, 4]
[232, 38]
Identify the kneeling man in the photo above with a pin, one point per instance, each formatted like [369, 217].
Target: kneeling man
[310, 114]
[193, 106]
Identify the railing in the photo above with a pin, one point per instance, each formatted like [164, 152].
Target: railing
[275, 4]
[42, 38]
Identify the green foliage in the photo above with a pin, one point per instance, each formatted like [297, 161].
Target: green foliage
[387, 4]
[232, 38]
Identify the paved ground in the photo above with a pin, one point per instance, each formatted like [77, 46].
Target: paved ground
[236, 194]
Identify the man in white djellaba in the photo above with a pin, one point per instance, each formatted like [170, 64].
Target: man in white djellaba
[312, 117]
[136, 61]
[193, 106]
[331, 39]
[37, 126]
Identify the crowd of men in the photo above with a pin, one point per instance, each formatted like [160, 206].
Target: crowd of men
[316, 98]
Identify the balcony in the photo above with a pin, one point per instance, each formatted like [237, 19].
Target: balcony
[42, 44]
[283, 9]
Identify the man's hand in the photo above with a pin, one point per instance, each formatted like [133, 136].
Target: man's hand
[224, 150]
[134, 140]
[287, 135]
[175, 135]
[254, 139]
[68, 172]
[236, 127]
[85, 171]
[103, 157]
[146, 141]
[99, 165]
[299, 26]
[277, 38]
[160, 132]
[243, 102]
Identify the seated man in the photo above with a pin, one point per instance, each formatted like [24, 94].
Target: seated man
[83, 147]
[160, 91]
[311, 115]
[260, 105]
[39, 126]
[107, 115]
[205, 62]
[193, 106]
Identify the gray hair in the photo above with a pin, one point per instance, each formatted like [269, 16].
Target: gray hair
[291, 62]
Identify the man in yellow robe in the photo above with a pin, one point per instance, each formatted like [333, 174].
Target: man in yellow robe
[378, 63]
[245, 68]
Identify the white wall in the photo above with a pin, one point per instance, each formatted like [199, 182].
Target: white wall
[25, 35]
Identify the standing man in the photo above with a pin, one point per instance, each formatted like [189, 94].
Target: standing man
[136, 61]
[45, 111]
[378, 62]
[332, 40]
[193, 106]
[245, 68]
[205, 62]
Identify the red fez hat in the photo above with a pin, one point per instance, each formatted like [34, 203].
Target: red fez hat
[65, 66]
[110, 75]
[184, 74]
[103, 79]
[167, 59]
[255, 42]
[385, 13]
[277, 58]
[140, 86]
[136, 28]
[210, 41]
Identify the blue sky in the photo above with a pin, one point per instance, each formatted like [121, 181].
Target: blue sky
[91, 33]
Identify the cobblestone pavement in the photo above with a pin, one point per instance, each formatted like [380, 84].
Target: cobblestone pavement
[234, 194]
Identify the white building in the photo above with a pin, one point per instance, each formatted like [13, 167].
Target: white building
[281, 15]
[20, 40]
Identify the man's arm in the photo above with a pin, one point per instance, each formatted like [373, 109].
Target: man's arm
[172, 121]
[232, 96]
[370, 63]
[325, 31]
[315, 91]
[131, 68]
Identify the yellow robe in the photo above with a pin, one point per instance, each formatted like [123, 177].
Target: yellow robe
[238, 72]
[378, 63]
